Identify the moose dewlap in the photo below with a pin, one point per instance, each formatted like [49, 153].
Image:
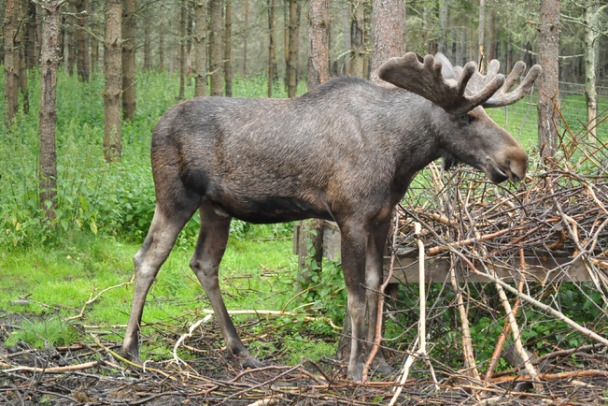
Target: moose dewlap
[347, 151]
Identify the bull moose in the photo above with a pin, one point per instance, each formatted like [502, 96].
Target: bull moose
[346, 151]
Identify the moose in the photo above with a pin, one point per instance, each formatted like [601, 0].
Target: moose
[346, 151]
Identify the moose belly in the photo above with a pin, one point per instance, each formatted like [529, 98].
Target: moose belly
[270, 209]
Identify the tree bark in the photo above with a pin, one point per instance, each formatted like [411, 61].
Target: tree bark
[481, 58]
[293, 47]
[147, 38]
[128, 35]
[81, 38]
[228, 49]
[357, 38]
[32, 40]
[200, 47]
[245, 37]
[318, 46]
[216, 63]
[389, 32]
[20, 44]
[112, 142]
[591, 47]
[272, 54]
[48, 113]
[442, 45]
[182, 50]
[161, 47]
[548, 98]
[11, 61]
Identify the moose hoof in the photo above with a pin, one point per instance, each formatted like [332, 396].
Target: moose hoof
[251, 362]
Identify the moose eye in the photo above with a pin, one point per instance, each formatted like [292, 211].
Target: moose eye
[466, 118]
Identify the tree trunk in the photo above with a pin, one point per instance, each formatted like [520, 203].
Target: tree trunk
[272, 55]
[357, 38]
[592, 31]
[216, 55]
[128, 35]
[293, 47]
[245, 37]
[548, 97]
[11, 60]
[70, 38]
[318, 46]
[442, 45]
[389, 32]
[112, 142]
[482, 36]
[94, 25]
[48, 113]
[20, 44]
[200, 47]
[228, 49]
[32, 40]
[182, 51]
[147, 38]
[81, 38]
[161, 47]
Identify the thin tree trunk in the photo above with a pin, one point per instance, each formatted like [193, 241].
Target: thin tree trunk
[112, 142]
[482, 35]
[161, 47]
[48, 113]
[272, 55]
[318, 46]
[293, 47]
[11, 61]
[389, 32]
[228, 49]
[442, 45]
[94, 25]
[592, 29]
[216, 55]
[245, 37]
[147, 65]
[357, 38]
[200, 47]
[548, 98]
[70, 38]
[21, 51]
[32, 40]
[182, 51]
[81, 35]
[128, 35]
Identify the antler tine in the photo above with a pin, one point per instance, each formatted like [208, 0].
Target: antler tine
[503, 97]
[435, 79]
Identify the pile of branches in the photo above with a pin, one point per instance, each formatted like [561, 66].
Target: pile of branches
[557, 217]
[560, 211]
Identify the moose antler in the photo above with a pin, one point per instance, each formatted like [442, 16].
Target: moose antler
[503, 97]
[457, 89]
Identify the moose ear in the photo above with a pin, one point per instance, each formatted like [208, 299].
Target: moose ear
[447, 69]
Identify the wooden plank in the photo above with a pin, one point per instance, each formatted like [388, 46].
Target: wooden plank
[542, 269]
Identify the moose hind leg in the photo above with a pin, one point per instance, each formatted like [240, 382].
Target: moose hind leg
[148, 260]
[205, 263]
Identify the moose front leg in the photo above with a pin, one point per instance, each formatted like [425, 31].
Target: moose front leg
[374, 267]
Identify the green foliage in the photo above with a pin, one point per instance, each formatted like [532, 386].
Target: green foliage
[44, 333]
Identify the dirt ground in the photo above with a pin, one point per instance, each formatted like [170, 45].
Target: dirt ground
[93, 374]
